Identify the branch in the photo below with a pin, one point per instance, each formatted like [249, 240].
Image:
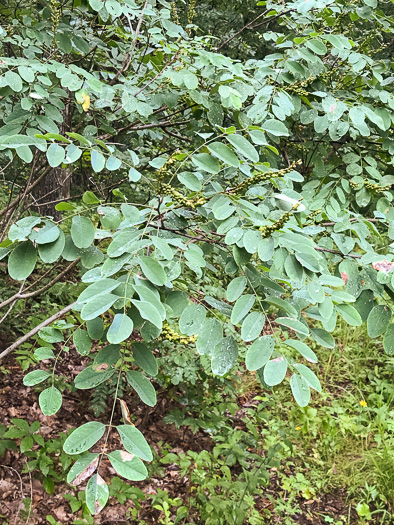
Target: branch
[158, 74]
[40, 290]
[317, 248]
[250, 25]
[127, 59]
[36, 329]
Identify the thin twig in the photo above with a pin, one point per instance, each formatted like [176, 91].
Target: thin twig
[46, 287]
[36, 329]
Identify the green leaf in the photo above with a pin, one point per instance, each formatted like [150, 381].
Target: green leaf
[206, 162]
[50, 335]
[303, 349]
[300, 389]
[110, 217]
[251, 240]
[265, 249]
[134, 442]
[55, 155]
[97, 306]
[35, 377]
[50, 401]
[149, 312]
[127, 465]
[163, 247]
[131, 213]
[209, 336]
[120, 329]
[236, 288]
[45, 235]
[95, 328]
[388, 340]
[323, 338]
[113, 163]
[145, 359]
[82, 341]
[84, 437]
[97, 160]
[259, 352]
[378, 320]
[142, 386]
[224, 153]
[22, 261]
[317, 46]
[44, 353]
[103, 286]
[224, 356]
[97, 494]
[50, 252]
[244, 147]
[110, 354]
[82, 231]
[134, 175]
[13, 80]
[293, 324]
[192, 319]
[93, 376]
[242, 307]
[153, 270]
[276, 128]
[309, 376]
[316, 292]
[252, 326]
[22, 228]
[349, 314]
[275, 371]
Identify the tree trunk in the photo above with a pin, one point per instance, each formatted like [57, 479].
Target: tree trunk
[52, 189]
[56, 185]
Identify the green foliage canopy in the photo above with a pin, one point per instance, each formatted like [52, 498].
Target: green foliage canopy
[270, 177]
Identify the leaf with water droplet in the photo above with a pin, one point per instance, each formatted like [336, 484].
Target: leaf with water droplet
[275, 371]
[84, 437]
[300, 389]
[134, 442]
[127, 465]
[97, 494]
[35, 377]
[50, 401]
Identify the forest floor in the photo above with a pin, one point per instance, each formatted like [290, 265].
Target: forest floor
[32, 498]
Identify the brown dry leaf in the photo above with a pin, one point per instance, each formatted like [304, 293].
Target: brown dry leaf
[125, 412]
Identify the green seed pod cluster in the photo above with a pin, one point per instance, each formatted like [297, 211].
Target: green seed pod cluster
[174, 13]
[170, 335]
[268, 230]
[55, 16]
[164, 171]
[376, 188]
[262, 177]
[297, 88]
[192, 11]
[167, 189]
[312, 215]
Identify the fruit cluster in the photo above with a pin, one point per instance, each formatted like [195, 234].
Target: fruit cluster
[262, 177]
[268, 230]
[169, 334]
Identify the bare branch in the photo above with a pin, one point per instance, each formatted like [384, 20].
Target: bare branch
[47, 322]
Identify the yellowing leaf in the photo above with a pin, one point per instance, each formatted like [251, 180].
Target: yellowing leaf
[86, 102]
